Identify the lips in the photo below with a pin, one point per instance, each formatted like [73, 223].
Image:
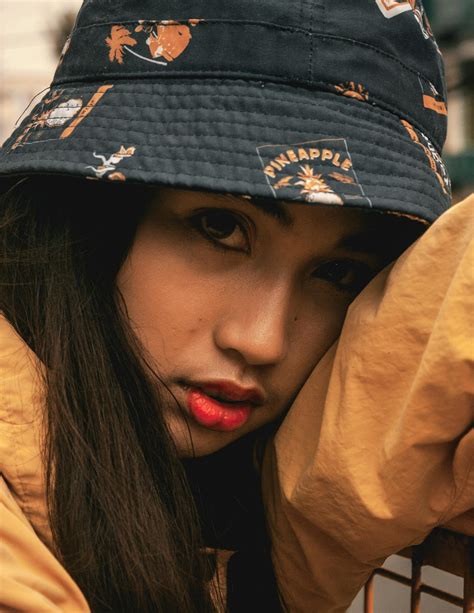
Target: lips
[230, 392]
[222, 406]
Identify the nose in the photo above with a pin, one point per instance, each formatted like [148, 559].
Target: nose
[256, 326]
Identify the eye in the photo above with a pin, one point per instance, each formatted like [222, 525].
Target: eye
[222, 228]
[347, 275]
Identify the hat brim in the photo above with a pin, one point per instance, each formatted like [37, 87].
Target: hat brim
[236, 136]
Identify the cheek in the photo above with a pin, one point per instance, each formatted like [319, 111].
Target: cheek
[166, 304]
[312, 336]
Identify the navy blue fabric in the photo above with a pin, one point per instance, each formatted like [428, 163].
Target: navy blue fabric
[217, 94]
[309, 42]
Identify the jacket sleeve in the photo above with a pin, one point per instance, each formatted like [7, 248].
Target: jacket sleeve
[31, 578]
[378, 447]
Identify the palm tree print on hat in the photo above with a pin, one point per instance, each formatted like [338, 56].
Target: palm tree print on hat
[315, 187]
[117, 41]
[167, 39]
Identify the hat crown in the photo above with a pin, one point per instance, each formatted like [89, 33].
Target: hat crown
[316, 100]
[382, 51]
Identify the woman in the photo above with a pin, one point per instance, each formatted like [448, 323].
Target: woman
[176, 314]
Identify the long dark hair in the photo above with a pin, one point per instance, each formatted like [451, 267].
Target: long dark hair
[123, 520]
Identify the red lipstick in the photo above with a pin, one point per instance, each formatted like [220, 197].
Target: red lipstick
[222, 406]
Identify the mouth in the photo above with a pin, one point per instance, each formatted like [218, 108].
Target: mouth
[221, 407]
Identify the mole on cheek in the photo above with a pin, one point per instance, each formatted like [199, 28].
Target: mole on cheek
[195, 328]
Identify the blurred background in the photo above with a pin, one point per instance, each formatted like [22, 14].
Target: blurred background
[32, 34]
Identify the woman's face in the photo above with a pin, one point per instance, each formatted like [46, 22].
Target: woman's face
[236, 301]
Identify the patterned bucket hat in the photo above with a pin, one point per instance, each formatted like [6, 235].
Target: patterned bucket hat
[316, 101]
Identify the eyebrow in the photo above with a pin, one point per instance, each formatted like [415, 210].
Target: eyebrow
[371, 242]
[270, 207]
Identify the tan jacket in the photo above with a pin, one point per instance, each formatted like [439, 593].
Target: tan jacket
[377, 449]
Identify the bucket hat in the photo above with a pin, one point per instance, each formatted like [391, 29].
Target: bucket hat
[315, 101]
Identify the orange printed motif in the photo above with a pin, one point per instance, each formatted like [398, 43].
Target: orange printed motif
[432, 99]
[300, 154]
[54, 96]
[169, 40]
[109, 164]
[318, 171]
[342, 178]
[117, 176]
[353, 90]
[283, 182]
[434, 159]
[103, 89]
[166, 39]
[52, 118]
[392, 8]
[315, 187]
[59, 115]
[119, 37]
[438, 106]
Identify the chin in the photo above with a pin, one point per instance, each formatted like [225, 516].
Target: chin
[194, 441]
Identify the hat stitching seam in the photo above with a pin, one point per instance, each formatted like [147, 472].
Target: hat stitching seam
[386, 129]
[422, 166]
[200, 176]
[343, 100]
[277, 27]
[239, 166]
[106, 104]
[419, 166]
[383, 199]
[311, 42]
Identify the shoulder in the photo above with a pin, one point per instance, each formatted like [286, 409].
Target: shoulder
[19, 381]
[21, 419]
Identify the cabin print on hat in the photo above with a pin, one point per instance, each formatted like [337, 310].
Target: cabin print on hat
[319, 171]
[58, 116]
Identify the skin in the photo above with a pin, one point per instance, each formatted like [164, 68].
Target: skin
[218, 288]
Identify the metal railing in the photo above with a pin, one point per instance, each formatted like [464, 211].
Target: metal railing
[443, 549]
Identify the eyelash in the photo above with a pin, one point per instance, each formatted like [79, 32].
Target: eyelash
[363, 272]
[197, 220]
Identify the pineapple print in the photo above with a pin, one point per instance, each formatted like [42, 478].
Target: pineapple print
[315, 187]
